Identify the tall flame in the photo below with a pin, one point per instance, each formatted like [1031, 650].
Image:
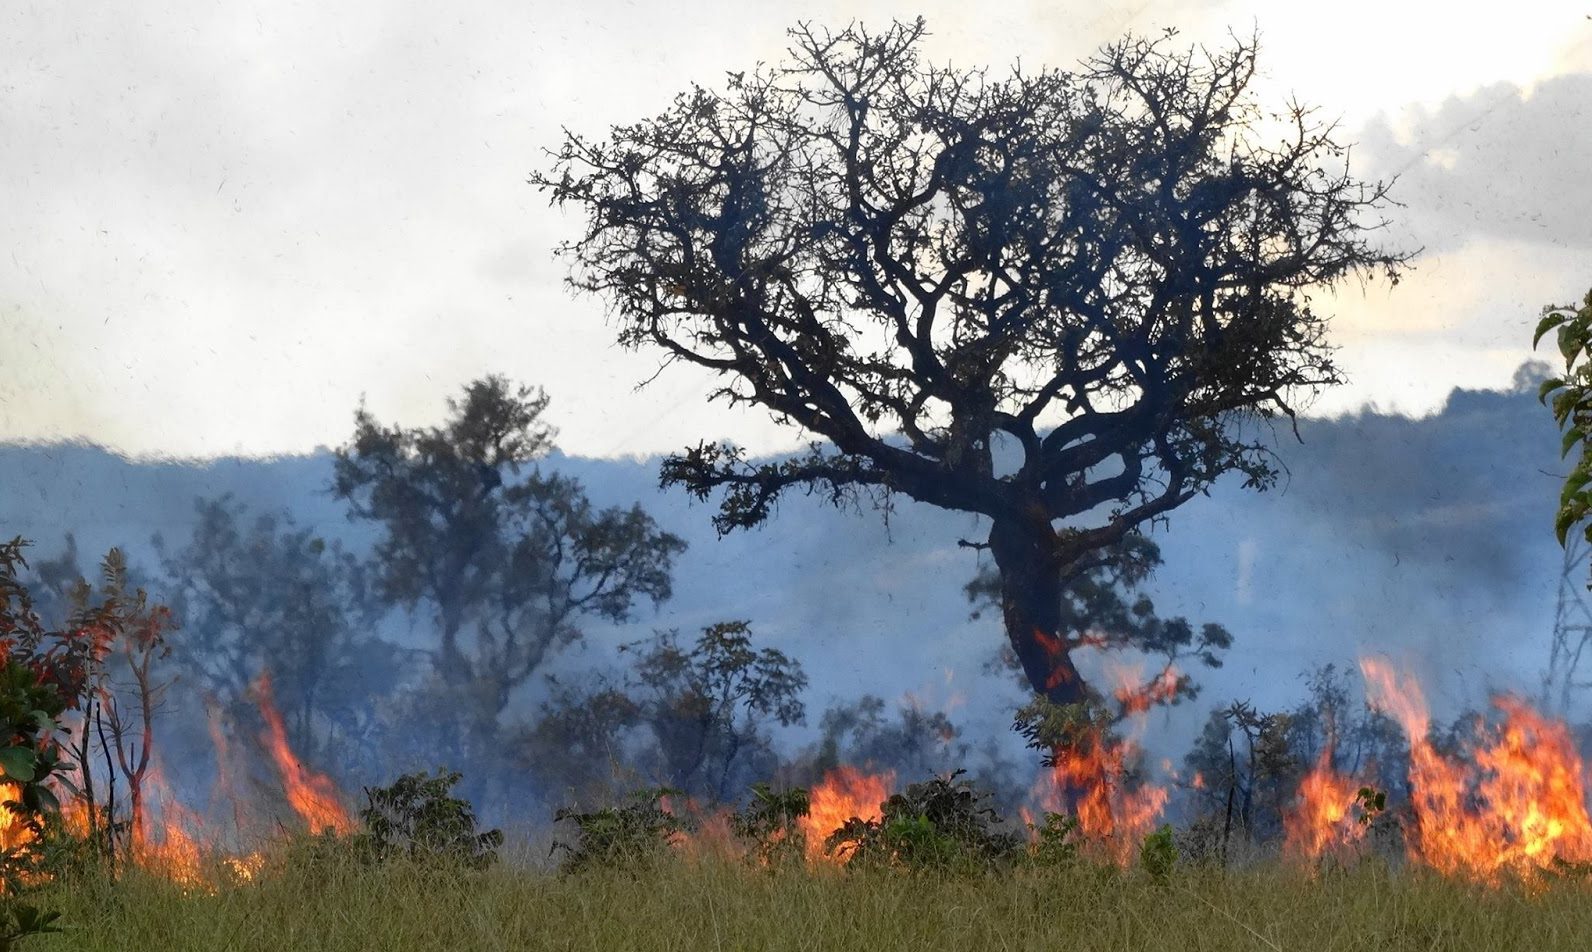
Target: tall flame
[845, 792]
[1089, 780]
[1521, 805]
[1324, 819]
[313, 796]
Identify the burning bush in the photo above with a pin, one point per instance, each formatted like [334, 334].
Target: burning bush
[772, 822]
[939, 824]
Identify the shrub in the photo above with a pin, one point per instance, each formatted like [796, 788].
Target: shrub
[1158, 854]
[1055, 841]
[417, 817]
[940, 824]
[771, 821]
[632, 836]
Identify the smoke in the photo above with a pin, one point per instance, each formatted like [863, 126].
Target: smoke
[1428, 540]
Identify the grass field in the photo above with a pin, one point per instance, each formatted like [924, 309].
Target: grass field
[713, 905]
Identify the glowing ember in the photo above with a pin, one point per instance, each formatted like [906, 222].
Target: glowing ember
[313, 796]
[1521, 805]
[845, 792]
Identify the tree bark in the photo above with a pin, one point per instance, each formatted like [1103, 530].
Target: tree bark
[1031, 590]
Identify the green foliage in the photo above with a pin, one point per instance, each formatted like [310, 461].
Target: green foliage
[1055, 841]
[1158, 854]
[29, 713]
[633, 836]
[42, 674]
[1570, 397]
[417, 817]
[771, 822]
[939, 824]
[1048, 726]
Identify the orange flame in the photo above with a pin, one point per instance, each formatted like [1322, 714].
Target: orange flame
[710, 834]
[1055, 649]
[1089, 776]
[14, 833]
[1521, 805]
[845, 792]
[313, 796]
[1324, 818]
[1138, 697]
[173, 848]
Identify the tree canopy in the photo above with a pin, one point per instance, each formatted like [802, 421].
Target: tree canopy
[509, 558]
[929, 269]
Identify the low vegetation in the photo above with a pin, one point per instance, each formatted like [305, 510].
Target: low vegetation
[716, 904]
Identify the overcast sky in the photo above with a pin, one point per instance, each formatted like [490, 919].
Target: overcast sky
[223, 222]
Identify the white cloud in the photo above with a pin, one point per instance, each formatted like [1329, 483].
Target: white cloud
[224, 222]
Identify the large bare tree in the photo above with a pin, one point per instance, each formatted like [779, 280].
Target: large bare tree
[1108, 271]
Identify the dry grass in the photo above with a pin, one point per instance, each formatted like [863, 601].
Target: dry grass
[721, 906]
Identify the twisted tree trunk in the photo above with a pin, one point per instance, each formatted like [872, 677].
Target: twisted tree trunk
[1031, 589]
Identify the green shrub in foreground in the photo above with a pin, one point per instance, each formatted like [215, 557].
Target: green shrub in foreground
[632, 836]
[418, 817]
[770, 822]
[941, 823]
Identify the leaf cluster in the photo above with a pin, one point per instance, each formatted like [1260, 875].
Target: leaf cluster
[1158, 854]
[1570, 397]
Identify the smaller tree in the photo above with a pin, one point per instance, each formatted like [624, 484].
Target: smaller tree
[709, 705]
[915, 743]
[134, 631]
[507, 558]
[418, 817]
[1248, 771]
[261, 595]
[583, 745]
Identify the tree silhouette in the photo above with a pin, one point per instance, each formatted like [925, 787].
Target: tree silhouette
[506, 556]
[709, 706]
[261, 596]
[1103, 607]
[1105, 272]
